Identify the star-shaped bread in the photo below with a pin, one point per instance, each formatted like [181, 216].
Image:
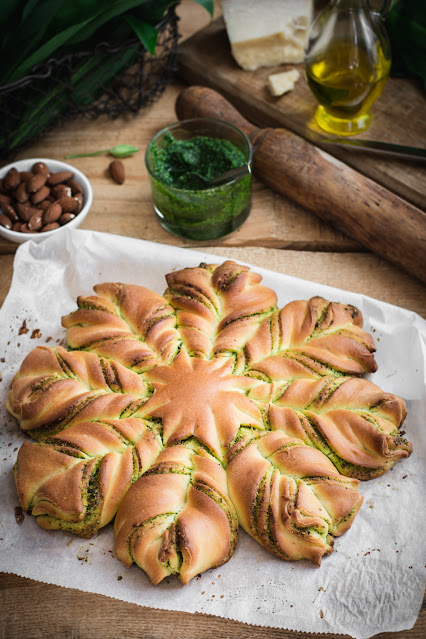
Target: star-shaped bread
[186, 415]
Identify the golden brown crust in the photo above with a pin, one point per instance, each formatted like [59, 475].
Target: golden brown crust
[128, 323]
[350, 419]
[310, 339]
[218, 307]
[159, 392]
[201, 398]
[91, 450]
[53, 386]
[178, 517]
[290, 497]
[80, 475]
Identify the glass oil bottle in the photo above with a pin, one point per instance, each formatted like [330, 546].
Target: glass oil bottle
[347, 63]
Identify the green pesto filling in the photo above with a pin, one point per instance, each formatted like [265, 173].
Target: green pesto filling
[180, 163]
[138, 529]
[92, 501]
[230, 513]
[196, 445]
[182, 195]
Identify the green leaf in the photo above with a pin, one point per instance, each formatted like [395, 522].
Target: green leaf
[146, 33]
[45, 51]
[208, 5]
[119, 151]
[104, 15]
[23, 38]
[35, 30]
[123, 150]
[28, 7]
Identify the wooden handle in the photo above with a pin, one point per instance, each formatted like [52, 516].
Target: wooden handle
[364, 210]
[200, 102]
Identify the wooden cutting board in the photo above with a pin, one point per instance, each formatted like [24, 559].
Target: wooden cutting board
[399, 114]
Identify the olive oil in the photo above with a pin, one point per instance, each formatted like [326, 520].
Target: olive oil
[347, 62]
[346, 84]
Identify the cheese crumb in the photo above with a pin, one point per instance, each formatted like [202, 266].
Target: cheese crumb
[280, 83]
[267, 33]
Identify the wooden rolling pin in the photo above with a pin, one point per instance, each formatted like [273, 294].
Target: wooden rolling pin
[364, 210]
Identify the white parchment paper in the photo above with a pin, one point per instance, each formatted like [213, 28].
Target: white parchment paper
[373, 582]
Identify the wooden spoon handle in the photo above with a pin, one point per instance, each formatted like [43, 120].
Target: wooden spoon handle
[366, 211]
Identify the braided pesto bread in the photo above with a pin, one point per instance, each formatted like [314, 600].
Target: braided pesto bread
[91, 445]
[186, 413]
[289, 496]
[178, 517]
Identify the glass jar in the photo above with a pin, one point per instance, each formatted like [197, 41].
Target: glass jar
[205, 210]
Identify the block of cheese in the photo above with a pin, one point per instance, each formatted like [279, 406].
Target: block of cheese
[267, 33]
[280, 83]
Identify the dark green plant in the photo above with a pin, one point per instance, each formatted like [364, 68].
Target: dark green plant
[35, 30]
[406, 25]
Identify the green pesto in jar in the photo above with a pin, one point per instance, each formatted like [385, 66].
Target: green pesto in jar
[186, 205]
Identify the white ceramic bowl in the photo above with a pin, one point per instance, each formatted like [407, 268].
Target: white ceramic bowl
[54, 166]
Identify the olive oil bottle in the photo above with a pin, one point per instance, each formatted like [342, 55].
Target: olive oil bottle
[347, 63]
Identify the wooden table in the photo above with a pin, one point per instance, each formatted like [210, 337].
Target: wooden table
[279, 235]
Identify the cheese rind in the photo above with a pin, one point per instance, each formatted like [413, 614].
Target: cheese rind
[267, 33]
[280, 83]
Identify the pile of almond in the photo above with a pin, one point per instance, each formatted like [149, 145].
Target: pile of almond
[37, 201]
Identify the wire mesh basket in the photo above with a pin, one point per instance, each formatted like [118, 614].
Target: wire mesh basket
[109, 80]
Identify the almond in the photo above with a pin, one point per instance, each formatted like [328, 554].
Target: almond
[21, 193]
[10, 212]
[35, 222]
[36, 182]
[40, 195]
[52, 214]
[74, 186]
[41, 167]
[68, 204]
[5, 199]
[25, 229]
[12, 179]
[116, 171]
[79, 199]
[49, 227]
[17, 227]
[61, 190]
[26, 175]
[5, 221]
[24, 211]
[65, 218]
[60, 176]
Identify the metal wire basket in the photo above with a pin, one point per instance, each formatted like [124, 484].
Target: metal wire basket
[109, 80]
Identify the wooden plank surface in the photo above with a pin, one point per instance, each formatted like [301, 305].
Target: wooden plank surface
[40, 611]
[278, 235]
[127, 209]
[399, 117]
